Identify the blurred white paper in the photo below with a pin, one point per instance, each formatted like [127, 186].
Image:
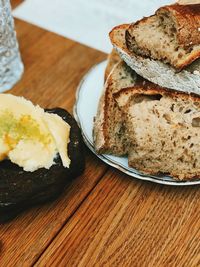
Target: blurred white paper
[85, 21]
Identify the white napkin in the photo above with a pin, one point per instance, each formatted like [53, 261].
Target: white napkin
[85, 21]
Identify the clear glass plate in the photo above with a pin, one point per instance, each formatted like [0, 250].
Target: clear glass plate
[85, 109]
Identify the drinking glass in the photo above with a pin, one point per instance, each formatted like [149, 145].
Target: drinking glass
[11, 66]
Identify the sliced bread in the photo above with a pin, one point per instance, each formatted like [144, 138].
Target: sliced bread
[163, 129]
[156, 71]
[172, 35]
[108, 126]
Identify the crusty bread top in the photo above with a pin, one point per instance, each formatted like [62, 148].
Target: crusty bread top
[149, 88]
[117, 37]
[143, 85]
[187, 22]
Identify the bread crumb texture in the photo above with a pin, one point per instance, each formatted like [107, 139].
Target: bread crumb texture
[163, 133]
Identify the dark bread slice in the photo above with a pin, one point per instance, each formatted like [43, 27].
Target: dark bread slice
[20, 190]
[163, 130]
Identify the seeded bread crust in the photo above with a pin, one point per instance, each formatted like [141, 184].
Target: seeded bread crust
[158, 153]
[164, 75]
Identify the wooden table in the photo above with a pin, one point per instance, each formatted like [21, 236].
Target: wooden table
[104, 218]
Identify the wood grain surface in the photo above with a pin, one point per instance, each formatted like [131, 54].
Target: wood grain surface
[53, 69]
[125, 222]
[15, 3]
[104, 218]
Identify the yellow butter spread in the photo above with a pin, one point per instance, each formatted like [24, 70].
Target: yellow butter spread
[30, 137]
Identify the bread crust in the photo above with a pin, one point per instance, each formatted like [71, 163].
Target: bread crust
[179, 177]
[154, 70]
[187, 21]
[148, 88]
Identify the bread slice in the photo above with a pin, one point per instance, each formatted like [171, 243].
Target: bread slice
[108, 126]
[172, 35]
[113, 59]
[163, 129]
[164, 75]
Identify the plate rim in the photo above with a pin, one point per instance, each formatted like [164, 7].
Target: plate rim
[110, 162]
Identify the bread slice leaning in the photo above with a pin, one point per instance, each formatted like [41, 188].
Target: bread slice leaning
[163, 127]
[164, 75]
[172, 35]
[108, 126]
